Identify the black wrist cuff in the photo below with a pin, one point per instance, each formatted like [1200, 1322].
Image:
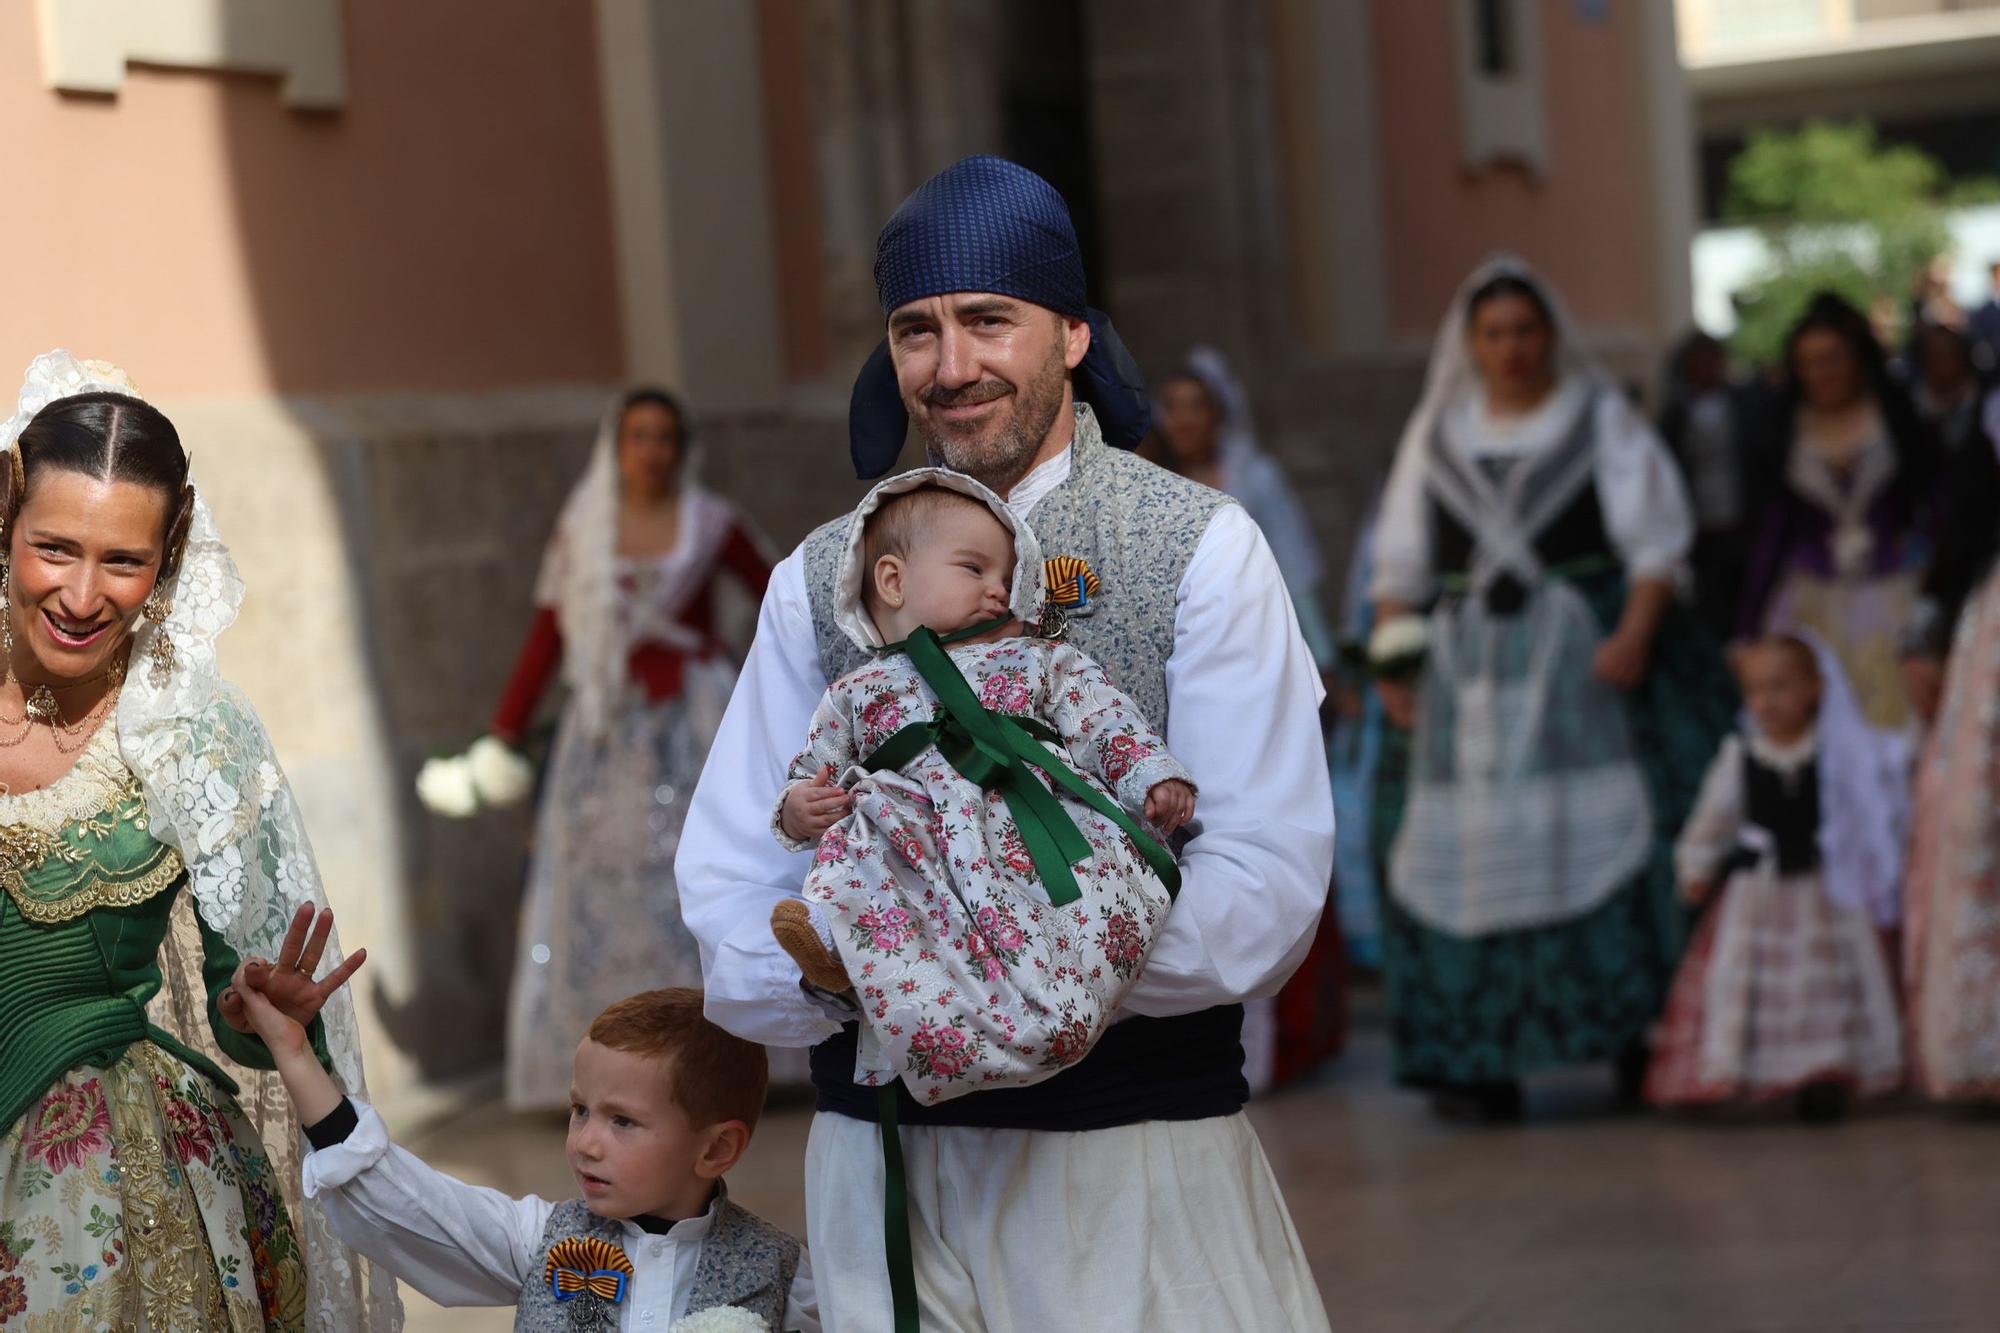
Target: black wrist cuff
[334, 1127]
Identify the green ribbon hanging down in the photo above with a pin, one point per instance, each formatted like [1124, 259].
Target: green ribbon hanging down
[995, 751]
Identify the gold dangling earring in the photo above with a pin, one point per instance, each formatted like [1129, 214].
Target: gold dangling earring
[161, 652]
[40, 705]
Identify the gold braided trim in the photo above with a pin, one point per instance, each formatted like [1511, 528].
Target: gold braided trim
[95, 892]
[99, 793]
[170, 1251]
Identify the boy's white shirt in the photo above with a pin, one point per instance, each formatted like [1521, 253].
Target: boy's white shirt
[463, 1244]
[1244, 699]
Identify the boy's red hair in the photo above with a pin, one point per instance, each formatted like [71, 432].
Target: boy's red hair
[716, 1076]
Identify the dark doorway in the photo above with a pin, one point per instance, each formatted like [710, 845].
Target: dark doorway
[1045, 110]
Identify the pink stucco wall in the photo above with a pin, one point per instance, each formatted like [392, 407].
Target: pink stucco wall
[1585, 225]
[449, 229]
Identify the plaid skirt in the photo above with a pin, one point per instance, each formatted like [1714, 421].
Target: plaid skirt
[1779, 988]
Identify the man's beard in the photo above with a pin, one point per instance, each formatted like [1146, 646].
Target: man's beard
[1005, 454]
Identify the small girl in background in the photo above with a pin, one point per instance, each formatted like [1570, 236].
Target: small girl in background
[1794, 854]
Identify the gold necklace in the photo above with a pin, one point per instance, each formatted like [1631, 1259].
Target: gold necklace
[41, 707]
[79, 732]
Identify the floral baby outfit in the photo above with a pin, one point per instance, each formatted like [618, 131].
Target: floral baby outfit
[969, 971]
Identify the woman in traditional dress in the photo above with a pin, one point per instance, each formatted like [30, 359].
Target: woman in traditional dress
[1951, 922]
[626, 608]
[1839, 549]
[1530, 539]
[1210, 437]
[148, 845]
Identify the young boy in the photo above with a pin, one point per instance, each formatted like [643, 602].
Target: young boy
[662, 1106]
[985, 920]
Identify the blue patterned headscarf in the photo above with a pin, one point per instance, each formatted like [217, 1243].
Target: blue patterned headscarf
[985, 224]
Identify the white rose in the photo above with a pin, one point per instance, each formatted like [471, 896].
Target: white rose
[722, 1319]
[500, 774]
[1393, 640]
[446, 788]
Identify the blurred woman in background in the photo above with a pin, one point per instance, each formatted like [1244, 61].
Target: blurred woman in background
[1840, 546]
[1207, 433]
[625, 609]
[1530, 539]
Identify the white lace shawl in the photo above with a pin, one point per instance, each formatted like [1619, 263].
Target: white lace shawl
[1646, 511]
[214, 792]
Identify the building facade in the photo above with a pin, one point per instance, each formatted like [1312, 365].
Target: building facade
[384, 263]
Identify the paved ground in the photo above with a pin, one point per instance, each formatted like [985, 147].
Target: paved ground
[1578, 1222]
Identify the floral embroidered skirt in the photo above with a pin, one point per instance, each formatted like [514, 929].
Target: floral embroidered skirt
[601, 917]
[1951, 896]
[138, 1196]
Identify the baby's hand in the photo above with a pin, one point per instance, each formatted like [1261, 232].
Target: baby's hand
[1170, 804]
[1698, 891]
[811, 808]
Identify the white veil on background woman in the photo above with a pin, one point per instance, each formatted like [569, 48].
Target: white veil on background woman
[579, 579]
[1402, 553]
[1254, 478]
[1864, 795]
[215, 793]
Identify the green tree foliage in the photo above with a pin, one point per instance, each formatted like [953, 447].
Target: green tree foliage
[1840, 210]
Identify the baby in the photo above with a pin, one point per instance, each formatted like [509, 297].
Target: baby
[987, 919]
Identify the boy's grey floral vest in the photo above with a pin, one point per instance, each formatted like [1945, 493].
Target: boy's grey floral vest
[1136, 525]
[744, 1261]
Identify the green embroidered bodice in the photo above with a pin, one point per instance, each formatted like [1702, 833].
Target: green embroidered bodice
[86, 896]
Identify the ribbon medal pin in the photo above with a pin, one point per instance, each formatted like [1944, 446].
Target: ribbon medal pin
[592, 1273]
[1071, 584]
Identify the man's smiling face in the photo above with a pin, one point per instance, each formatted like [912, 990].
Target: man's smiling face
[985, 378]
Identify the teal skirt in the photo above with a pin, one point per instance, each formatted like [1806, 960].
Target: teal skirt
[1495, 1007]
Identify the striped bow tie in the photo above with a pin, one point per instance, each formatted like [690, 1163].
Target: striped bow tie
[585, 1263]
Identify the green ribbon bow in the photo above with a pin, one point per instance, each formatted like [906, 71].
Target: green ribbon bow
[996, 751]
